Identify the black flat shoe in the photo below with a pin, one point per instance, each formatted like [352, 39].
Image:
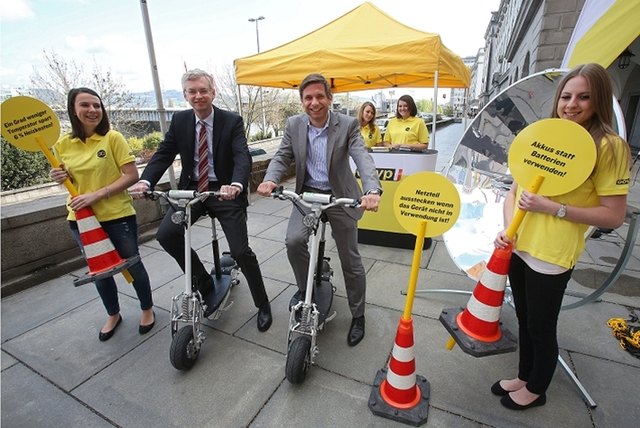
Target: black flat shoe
[496, 389]
[103, 337]
[356, 331]
[144, 329]
[264, 317]
[508, 402]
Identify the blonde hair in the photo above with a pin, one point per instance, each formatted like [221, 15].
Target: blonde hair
[363, 123]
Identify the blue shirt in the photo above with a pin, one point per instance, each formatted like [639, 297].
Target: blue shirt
[317, 170]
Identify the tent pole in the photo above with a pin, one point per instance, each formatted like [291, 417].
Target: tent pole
[435, 111]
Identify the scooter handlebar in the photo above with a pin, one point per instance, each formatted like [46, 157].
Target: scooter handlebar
[308, 199]
[177, 195]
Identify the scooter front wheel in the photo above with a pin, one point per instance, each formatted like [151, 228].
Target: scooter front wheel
[184, 350]
[298, 359]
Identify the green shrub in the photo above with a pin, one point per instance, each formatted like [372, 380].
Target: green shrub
[260, 135]
[152, 141]
[136, 144]
[21, 168]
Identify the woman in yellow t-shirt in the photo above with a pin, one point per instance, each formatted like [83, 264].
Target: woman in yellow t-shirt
[552, 235]
[100, 164]
[406, 131]
[368, 128]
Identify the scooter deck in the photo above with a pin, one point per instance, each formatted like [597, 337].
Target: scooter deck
[222, 288]
[323, 297]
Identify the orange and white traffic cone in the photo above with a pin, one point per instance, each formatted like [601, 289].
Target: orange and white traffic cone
[477, 328]
[398, 393]
[101, 255]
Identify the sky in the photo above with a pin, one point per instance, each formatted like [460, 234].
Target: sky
[207, 34]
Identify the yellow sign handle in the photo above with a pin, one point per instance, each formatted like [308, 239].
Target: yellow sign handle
[54, 163]
[450, 343]
[415, 266]
[518, 216]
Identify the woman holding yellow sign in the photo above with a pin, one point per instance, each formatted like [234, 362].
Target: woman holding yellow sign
[99, 162]
[551, 237]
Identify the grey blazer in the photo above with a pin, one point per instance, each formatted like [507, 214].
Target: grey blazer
[344, 142]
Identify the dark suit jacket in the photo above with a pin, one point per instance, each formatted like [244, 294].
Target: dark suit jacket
[231, 158]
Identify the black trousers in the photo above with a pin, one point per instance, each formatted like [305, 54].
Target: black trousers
[537, 299]
[232, 216]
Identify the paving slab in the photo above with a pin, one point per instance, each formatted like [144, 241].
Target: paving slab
[7, 360]
[46, 301]
[614, 387]
[66, 349]
[29, 400]
[228, 385]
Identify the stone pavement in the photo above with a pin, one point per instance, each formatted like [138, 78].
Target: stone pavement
[56, 373]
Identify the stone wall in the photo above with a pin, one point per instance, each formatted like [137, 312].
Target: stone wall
[37, 244]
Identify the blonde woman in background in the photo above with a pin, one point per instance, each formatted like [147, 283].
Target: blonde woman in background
[368, 128]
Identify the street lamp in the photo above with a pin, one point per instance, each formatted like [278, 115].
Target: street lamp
[264, 117]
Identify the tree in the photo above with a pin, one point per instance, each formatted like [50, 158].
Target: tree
[21, 168]
[52, 84]
[278, 104]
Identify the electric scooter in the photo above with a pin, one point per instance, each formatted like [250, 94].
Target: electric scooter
[188, 308]
[309, 316]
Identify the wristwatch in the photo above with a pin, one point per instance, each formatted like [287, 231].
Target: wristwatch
[374, 192]
[562, 211]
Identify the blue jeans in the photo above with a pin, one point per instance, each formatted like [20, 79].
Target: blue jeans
[123, 234]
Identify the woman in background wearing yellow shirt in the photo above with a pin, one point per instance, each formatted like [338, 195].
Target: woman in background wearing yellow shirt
[368, 128]
[406, 131]
[101, 165]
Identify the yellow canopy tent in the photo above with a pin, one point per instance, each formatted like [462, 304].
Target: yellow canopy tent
[363, 49]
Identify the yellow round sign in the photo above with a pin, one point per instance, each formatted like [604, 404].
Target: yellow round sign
[24, 119]
[559, 150]
[426, 196]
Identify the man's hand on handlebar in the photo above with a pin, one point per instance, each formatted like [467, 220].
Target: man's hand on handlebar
[370, 202]
[266, 188]
[137, 191]
[228, 192]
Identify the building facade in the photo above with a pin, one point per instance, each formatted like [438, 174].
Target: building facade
[527, 36]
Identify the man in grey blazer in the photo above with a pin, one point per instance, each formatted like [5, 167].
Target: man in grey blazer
[321, 143]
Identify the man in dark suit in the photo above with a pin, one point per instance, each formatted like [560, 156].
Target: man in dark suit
[321, 143]
[207, 132]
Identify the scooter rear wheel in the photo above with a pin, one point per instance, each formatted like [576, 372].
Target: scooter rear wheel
[184, 351]
[298, 359]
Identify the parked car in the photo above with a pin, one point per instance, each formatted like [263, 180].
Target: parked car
[382, 124]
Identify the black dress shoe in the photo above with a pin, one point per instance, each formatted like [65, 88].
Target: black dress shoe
[508, 402]
[356, 332]
[297, 297]
[264, 316]
[144, 329]
[496, 389]
[103, 337]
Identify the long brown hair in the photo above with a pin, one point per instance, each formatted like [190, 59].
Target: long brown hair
[601, 95]
[363, 123]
